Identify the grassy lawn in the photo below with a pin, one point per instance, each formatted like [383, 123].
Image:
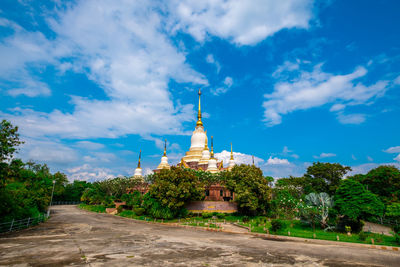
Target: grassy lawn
[298, 229]
[94, 208]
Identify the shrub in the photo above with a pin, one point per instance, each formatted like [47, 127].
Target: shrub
[356, 225]
[276, 225]
[397, 238]
[120, 209]
[396, 229]
[220, 215]
[362, 236]
[138, 211]
[245, 219]
[206, 215]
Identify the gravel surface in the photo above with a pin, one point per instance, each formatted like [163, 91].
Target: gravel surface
[79, 238]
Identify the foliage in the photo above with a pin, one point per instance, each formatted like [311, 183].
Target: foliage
[206, 215]
[362, 236]
[120, 209]
[220, 215]
[355, 202]
[355, 225]
[284, 204]
[9, 140]
[294, 185]
[393, 210]
[94, 208]
[276, 225]
[134, 199]
[252, 193]
[72, 191]
[323, 202]
[139, 211]
[154, 208]
[175, 187]
[324, 177]
[383, 181]
[26, 189]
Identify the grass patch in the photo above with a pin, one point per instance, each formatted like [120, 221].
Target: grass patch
[94, 208]
[298, 229]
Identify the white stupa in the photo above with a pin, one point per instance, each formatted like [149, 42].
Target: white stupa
[231, 161]
[212, 162]
[138, 170]
[205, 157]
[198, 140]
[164, 159]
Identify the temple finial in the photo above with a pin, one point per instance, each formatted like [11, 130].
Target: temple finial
[165, 148]
[199, 122]
[231, 152]
[140, 156]
[212, 147]
[253, 158]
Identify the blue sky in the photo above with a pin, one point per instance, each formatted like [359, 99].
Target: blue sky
[90, 83]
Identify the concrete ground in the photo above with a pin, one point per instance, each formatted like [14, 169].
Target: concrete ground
[77, 238]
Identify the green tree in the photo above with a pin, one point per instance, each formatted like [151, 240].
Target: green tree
[9, 140]
[252, 193]
[355, 202]
[324, 177]
[175, 187]
[384, 181]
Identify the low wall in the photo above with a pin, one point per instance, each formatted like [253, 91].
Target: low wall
[212, 206]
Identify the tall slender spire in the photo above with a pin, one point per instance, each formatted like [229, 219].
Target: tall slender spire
[140, 156]
[231, 152]
[212, 147]
[253, 158]
[199, 122]
[206, 142]
[165, 148]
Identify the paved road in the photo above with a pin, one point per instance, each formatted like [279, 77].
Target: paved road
[80, 238]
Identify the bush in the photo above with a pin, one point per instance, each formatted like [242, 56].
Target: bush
[396, 229]
[206, 215]
[138, 211]
[245, 219]
[276, 225]
[362, 236]
[120, 209]
[220, 215]
[355, 225]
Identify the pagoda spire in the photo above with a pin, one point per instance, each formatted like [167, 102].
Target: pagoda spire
[212, 147]
[199, 122]
[165, 148]
[231, 152]
[140, 156]
[253, 159]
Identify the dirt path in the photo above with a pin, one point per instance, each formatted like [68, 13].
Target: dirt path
[80, 238]
[377, 228]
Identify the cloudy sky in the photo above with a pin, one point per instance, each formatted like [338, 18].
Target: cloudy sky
[90, 83]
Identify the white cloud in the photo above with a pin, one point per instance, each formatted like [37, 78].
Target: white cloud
[47, 151]
[241, 22]
[89, 145]
[394, 149]
[277, 161]
[397, 80]
[129, 56]
[351, 118]
[353, 157]
[210, 59]
[325, 155]
[397, 158]
[240, 158]
[227, 84]
[309, 89]
[86, 172]
[370, 158]
[287, 152]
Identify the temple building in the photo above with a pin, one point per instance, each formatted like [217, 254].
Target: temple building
[199, 157]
